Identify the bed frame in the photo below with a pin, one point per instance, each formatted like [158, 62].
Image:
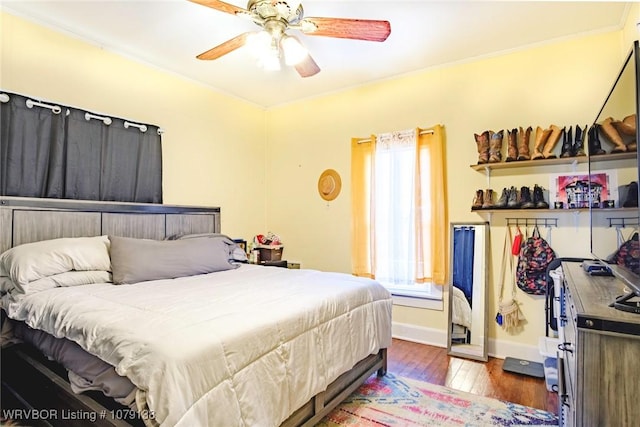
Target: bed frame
[32, 382]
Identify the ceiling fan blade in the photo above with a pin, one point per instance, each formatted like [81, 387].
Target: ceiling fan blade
[224, 48]
[359, 29]
[220, 5]
[307, 67]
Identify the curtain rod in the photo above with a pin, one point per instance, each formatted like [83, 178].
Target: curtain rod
[366, 140]
[106, 120]
[55, 108]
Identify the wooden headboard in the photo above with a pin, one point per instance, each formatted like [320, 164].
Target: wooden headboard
[25, 220]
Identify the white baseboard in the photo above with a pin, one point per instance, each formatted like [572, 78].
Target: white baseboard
[419, 334]
[437, 337]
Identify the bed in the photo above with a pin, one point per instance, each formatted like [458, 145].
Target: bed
[460, 316]
[243, 345]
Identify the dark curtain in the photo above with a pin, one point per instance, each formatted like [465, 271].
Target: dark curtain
[72, 156]
[463, 254]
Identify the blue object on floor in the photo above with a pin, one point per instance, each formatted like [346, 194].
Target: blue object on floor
[524, 367]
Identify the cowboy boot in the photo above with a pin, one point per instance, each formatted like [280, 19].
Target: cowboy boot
[495, 146]
[523, 144]
[538, 198]
[482, 141]
[578, 144]
[512, 149]
[502, 201]
[525, 198]
[488, 199]
[512, 200]
[553, 139]
[595, 146]
[626, 126]
[478, 200]
[567, 144]
[613, 136]
[542, 135]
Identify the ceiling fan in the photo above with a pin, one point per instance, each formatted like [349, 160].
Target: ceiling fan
[272, 43]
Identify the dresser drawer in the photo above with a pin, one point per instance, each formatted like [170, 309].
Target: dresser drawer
[569, 344]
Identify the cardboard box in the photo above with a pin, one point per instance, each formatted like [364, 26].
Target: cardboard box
[270, 253]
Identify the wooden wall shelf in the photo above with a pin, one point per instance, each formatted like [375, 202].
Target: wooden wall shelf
[550, 162]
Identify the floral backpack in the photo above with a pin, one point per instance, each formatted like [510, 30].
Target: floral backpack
[531, 272]
[628, 254]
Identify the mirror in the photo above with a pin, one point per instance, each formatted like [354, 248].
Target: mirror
[468, 279]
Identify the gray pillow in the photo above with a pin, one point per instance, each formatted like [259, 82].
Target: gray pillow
[236, 253]
[139, 260]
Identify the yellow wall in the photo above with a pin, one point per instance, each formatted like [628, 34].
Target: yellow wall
[563, 83]
[262, 167]
[213, 145]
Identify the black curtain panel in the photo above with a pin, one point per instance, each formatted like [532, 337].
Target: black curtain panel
[55, 151]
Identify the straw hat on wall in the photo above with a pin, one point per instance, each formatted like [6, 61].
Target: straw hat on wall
[329, 184]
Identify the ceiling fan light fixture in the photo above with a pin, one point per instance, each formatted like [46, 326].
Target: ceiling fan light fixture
[294, 51]
[258, 43]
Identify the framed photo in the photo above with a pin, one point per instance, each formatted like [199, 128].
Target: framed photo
[571, 191]
[242, 244]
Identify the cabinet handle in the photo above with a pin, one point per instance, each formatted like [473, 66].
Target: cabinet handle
[565, 346]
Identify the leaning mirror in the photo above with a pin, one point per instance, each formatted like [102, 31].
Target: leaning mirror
[468, 278]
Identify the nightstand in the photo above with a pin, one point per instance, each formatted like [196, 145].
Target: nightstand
[279, 263]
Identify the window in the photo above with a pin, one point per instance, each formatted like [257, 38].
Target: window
[399, 211]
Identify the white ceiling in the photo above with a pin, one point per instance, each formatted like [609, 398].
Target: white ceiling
[169, 34]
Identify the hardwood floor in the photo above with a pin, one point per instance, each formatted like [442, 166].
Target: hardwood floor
[434, 365]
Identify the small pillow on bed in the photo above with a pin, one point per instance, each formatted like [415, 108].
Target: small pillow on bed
[29, 262]
[139, 260]
[236, 253]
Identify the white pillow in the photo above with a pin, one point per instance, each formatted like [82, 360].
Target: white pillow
[33, 261]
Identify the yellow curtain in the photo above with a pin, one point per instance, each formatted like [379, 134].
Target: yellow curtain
[431, 202]
[362, 238]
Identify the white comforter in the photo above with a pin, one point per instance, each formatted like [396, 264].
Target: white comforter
[243, 347]
[460, 309]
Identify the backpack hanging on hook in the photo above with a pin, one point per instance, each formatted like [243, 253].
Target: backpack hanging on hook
[531, 272]
[628, 254]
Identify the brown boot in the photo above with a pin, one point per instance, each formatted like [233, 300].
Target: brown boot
[523, 144]
[487, 202]
[541, 139]
[478, 200]
[512, 148]
[495, 146]
[613, 136]
[553, 139]
[482, 141]
[626, 126]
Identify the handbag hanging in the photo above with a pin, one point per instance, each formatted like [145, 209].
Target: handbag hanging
[509, 315]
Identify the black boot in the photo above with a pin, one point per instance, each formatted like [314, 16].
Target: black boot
[567, 143]
[538, 198]
[502, 201]
[595, 146]
[512, 199]
[578, 144]
[632, 196]
[525, 198]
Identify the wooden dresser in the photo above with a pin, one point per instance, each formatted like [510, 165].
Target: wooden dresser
[599, 364]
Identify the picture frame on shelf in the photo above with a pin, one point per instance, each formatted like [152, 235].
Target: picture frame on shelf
[572, 190]
[241, 243]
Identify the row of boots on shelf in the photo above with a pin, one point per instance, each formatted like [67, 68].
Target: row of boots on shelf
[489, 143]
[511, 199]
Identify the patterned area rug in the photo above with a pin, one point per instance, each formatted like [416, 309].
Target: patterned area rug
[394, 401]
